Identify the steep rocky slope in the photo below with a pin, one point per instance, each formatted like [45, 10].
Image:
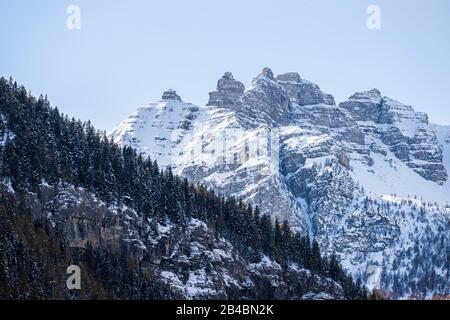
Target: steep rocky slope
[188, 258]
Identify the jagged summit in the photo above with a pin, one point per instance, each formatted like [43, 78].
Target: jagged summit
[171, 95]
[268, 100]
[277, 93]
[405, 132]
[228, 91]
[228, 76]
[267, 72]
[303, 92]
[373, 94]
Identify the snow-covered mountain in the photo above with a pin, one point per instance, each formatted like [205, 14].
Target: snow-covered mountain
[367, 178]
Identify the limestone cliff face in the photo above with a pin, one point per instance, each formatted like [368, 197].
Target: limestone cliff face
[228, 91]
[406, 132]
[302, 92]
[188, 257]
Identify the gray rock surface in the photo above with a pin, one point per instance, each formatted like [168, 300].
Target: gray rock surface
[227, 93]
[303, 92]
[189, 258]
[358, 177]
[406, 132]
[171, 95]
[267, 100]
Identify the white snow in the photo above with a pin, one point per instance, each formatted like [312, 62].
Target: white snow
[389, 176]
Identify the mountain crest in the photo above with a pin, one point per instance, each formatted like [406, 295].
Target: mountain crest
[373, 94]
[228, 91]
[171, 95]
[267, 72]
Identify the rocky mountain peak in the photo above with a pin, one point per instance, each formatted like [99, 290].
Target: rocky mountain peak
[267, 72]
[228, 91]
[364, 105]
[228, 76]
[302, 92]
[268, 99]
[373, 95]
[171, 95]
[403, 130]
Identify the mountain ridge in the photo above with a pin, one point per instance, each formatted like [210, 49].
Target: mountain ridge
[361, 165]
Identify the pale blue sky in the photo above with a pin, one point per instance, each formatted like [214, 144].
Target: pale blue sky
[128, 52]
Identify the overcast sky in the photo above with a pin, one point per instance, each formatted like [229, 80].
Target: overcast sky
[128, 52]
